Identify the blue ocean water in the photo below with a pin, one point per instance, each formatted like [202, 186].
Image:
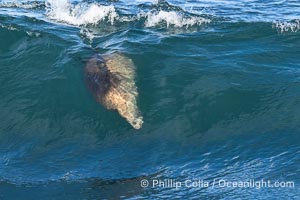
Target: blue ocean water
[219, 91]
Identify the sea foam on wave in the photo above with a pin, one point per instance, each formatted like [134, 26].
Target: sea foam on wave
[282, 27]
[172, 18]
[80, 14]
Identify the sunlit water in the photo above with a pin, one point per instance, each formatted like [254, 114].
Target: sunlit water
[219, 91]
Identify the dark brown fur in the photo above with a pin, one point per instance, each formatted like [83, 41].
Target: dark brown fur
[98, 78]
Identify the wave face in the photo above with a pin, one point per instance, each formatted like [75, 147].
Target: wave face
[218, 85]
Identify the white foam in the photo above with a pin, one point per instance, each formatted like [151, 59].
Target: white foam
[287, 26]
[172, 18]
[80, 14]
[18, 4]
[86, 33]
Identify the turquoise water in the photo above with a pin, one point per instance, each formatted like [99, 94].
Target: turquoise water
[219, 91]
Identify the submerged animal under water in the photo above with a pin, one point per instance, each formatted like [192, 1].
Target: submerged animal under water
[111, 80]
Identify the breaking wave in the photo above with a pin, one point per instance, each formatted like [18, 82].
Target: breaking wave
[80, 14]
[93, 13]
[172, 18]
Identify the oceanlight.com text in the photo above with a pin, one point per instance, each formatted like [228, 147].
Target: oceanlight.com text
[216, 183]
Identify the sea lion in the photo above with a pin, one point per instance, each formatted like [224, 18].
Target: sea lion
[111, 80]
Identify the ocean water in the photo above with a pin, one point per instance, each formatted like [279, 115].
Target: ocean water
[219, 91]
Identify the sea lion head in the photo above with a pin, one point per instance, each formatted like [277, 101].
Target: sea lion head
[97, 76]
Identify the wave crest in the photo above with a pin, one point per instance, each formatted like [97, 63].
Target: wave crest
[80, 14]
[159, 14]
[93, 13]
[172, 18]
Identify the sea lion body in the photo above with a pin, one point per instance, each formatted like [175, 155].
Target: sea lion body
[111, 80]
